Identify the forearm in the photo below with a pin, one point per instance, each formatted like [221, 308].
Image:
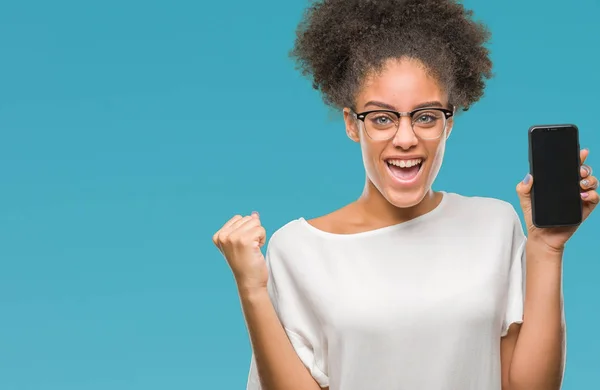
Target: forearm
[279, 367]
[538, 358]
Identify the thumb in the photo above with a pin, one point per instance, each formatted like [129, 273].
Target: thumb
[262, 237]
[524, 192]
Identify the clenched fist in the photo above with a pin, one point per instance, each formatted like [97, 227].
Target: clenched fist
[240, 241]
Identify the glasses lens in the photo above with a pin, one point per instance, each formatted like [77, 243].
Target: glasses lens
[381, 125]
[429, 124]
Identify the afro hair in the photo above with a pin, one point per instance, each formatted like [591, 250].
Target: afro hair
[340, 42]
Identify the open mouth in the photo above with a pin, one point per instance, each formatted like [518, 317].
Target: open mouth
[405, 170]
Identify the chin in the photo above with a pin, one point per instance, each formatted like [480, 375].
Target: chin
[405, 199]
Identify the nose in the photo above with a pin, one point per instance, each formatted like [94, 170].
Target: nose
[405, 137]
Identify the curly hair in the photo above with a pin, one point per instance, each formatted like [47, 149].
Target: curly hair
[340, 42]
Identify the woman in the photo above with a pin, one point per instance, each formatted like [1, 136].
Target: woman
[405, 288]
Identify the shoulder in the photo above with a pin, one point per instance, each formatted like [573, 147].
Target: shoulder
[478, 207]
[288, 234]
[491, 217]
[290, 239]
[295, 252]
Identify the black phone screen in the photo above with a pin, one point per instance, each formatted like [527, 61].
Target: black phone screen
[555, 165]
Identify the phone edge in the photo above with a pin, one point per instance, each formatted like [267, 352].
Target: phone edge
[529, 134]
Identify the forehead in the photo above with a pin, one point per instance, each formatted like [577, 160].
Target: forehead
[402, 83]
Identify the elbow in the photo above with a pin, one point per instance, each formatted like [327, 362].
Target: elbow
[532, 384]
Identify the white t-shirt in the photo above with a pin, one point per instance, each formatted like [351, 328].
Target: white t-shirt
[421, 305]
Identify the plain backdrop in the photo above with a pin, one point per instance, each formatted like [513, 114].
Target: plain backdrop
[130, 131]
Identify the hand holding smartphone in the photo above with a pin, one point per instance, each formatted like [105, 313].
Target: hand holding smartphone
[554, 162]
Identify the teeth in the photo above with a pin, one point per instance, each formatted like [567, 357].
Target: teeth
[405, 163]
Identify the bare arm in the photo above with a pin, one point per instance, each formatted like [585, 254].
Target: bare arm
[538, 358]
[507, 348]
[533, 353]
[279, 367]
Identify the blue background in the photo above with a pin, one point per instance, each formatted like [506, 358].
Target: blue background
[131, 130]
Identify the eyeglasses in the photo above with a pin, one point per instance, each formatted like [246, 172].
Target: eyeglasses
[427, 123]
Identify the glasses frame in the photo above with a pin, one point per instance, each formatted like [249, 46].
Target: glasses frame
[363, 115]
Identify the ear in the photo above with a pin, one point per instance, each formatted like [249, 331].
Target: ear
[449, 126]
[351, 125]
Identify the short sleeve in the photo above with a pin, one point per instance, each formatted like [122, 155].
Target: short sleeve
[296, 315]
[515, 295]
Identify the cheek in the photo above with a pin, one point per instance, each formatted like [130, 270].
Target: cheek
[437, 152]
[371, 155]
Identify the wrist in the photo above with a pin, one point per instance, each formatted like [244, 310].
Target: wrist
[540, 245]
[252, 293]
[538, 251]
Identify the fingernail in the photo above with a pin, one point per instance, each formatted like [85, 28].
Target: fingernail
[585, 183]
[527, 179]
[584, 195]
[586, 149]
[255, 213]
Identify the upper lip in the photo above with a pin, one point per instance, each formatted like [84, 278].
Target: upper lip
[410, 157]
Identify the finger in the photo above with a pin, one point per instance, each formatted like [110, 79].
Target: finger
[589, 183]
[248, 225]
[224, 233]
[260, 234]
[590, 197]
[232, 221]
[236, 225]
[225, 226]
[524, 187]
[586, 171]
[583, 155]
[523, 191]
[250, 233]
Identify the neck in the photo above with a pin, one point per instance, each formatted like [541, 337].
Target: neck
[379, 211]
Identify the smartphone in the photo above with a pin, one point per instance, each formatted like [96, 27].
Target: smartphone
[554, 163]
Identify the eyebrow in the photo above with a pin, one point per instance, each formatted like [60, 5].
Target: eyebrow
[386, 106]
